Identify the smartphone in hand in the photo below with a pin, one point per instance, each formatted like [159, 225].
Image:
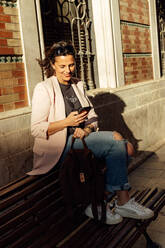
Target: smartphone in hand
[84, 109]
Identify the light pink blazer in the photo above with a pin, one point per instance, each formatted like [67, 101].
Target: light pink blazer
[48, 106]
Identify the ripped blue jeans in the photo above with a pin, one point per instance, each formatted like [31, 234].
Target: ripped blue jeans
[104, 146]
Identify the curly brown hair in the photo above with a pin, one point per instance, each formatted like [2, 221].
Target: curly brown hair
[61, 48]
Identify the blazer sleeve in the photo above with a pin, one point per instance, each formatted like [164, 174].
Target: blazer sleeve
[40, 112]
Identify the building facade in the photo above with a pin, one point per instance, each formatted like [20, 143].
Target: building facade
[119, 48]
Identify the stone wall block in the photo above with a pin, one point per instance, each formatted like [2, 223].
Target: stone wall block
[138, 126]
[161, 129]
[162, 83]
[4, 171]
[148, 98]
[104, 98]
[21, 164]
[31, 140]
[137, 89]
[162, 92]
[130, 103]
[155, 95]
[15, 166]
[13, 124]
[4, 149]
[18, 141]
[155, 118]
[146, 87]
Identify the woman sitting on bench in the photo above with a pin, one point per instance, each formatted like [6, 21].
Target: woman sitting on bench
[56, 118]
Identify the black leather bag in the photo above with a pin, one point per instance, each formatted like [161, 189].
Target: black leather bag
[82, 181]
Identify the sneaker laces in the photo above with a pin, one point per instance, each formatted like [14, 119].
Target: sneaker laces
[136, 205]
[110, 209]
[110, 213]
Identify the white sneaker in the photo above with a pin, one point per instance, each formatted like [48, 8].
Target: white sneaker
[134, 210]
[111, 218]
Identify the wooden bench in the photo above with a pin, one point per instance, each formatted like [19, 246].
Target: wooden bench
[32, 215]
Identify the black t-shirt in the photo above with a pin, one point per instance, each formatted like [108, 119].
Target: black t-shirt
[71, 101]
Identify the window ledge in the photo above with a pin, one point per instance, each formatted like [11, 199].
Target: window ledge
[16, 112]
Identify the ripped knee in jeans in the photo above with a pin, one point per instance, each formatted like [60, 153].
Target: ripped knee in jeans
[117, 136]
[129, 146]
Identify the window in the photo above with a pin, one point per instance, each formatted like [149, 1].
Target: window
[69, 20]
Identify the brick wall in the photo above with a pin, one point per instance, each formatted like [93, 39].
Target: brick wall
[137, 68]
[13, 92]
[136, 43]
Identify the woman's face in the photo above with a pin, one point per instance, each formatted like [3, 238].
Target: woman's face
[64, 67]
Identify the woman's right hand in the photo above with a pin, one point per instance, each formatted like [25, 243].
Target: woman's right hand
[74, 119]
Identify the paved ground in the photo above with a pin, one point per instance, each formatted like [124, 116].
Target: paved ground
[152, 174]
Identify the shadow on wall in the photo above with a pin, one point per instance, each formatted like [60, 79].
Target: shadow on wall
[109, 108]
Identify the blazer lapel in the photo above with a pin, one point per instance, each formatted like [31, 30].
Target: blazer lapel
[78, 88]
[59, 101]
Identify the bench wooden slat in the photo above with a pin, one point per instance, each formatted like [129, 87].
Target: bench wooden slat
[60, 234]
[158, 197]
[31, 233]
[24, 192]
[16, 234]
[14, 182]
[23, 205]
[48, 227]
[94, 235]
[23, 182]
[29, 238]
[31, 211]
[86, 232]
[27, 214]
[160, 204]
[106, 235]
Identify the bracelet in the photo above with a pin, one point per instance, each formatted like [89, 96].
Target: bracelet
[88, 129]
[86, 133]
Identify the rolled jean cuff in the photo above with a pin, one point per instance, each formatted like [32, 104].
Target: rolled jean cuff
[111, 188]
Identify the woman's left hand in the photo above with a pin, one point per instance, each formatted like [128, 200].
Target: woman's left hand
[79, 133]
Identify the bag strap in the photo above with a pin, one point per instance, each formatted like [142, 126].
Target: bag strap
[83, 141]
